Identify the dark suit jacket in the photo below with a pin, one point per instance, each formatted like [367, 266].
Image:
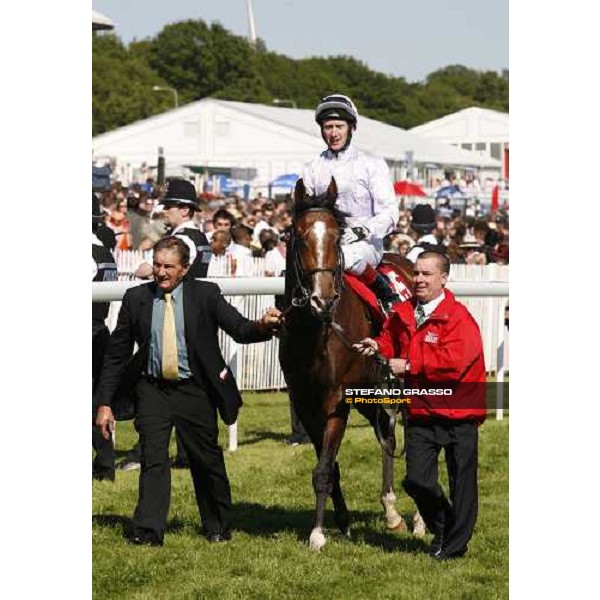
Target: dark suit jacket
[205, 310]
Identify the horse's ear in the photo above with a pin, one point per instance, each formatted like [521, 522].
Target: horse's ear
[332, 191]
[299, 191]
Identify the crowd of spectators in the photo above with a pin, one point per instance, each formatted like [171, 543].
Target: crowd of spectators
[255, 228]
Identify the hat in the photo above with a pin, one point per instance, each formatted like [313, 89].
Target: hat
[180, 191]
[336, 106]
[97, 214]
[423, 217]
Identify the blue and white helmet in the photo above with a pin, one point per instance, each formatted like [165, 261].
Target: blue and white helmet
[337, 106]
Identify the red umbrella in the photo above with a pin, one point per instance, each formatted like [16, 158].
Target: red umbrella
[495, 198]
[407, 188]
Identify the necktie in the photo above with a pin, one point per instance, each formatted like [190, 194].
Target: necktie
[420, 315]
[169, 342]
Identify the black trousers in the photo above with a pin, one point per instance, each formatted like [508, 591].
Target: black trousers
[135, 453]
[105, 452]
[454, 519]
[187, 407]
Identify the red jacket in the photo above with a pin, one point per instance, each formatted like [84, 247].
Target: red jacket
[445, 351]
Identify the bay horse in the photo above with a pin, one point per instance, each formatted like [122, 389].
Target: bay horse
[324, 317]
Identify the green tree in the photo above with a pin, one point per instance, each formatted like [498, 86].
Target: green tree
[181, 53]
[492, 91]
[199, 60]
[121, 86]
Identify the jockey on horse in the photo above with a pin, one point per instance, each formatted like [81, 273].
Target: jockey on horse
[365, 193]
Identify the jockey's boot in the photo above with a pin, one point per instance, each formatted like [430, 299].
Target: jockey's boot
[381, 286]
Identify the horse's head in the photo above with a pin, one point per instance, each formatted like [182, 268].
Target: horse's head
[317, 254]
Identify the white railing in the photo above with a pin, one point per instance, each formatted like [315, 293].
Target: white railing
[483, 289]
[486, 310]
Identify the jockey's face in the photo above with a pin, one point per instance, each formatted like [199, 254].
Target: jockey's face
[335, 133]
[428, 279]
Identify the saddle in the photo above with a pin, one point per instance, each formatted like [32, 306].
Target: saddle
[396, 271]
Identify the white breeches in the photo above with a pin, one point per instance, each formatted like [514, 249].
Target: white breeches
[360, 254]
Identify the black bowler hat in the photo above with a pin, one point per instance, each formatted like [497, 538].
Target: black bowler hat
[423, 217]
[180, 191]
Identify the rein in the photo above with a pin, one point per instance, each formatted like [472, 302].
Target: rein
[392, 412]
[300, 298]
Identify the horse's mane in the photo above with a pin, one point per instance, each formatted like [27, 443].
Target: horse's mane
[322, 202]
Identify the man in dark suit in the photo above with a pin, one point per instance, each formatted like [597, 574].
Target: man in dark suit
[183, 381]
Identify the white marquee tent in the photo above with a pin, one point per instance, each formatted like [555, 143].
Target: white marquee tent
[215, 135]
[99, 21]
[478, 129]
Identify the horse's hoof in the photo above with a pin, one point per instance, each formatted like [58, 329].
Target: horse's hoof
[317, 540]
[419, 527]
[345, 531]
[398, 526]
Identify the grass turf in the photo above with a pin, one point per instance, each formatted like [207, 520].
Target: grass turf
[273, 509]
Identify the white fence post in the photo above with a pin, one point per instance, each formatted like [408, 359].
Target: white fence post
[500, 366]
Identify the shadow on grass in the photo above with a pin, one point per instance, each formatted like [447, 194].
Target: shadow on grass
[263, 521]
[254, 436]
[268, 521]
[125, 524]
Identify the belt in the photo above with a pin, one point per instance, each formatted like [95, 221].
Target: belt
[168, 382]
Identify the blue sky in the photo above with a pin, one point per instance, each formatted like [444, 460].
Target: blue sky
[408, 39]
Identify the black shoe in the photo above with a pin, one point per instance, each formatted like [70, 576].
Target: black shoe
[178, 463]
[444, 555]
[214, 538]
[386, 296]
[129, 465]
[104, 475]
[296, 439]
[138, 540]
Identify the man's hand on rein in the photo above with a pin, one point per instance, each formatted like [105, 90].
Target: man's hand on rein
[366, 347]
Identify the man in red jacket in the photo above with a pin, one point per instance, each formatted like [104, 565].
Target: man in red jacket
[434, 342]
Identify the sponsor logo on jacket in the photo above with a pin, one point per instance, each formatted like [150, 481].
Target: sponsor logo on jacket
[431, 337]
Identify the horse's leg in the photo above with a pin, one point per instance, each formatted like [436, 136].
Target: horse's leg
[323, 475]
[393, 519]
[419, 527]
[341, 514]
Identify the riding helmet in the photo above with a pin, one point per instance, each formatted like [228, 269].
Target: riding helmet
[337, 106]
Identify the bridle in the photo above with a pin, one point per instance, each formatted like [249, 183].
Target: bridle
[301, 293]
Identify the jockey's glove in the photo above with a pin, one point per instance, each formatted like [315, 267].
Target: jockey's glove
[354, 234]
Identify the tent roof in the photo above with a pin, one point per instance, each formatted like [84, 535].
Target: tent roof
[373, 137]
[99, 21]
[468, 125]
